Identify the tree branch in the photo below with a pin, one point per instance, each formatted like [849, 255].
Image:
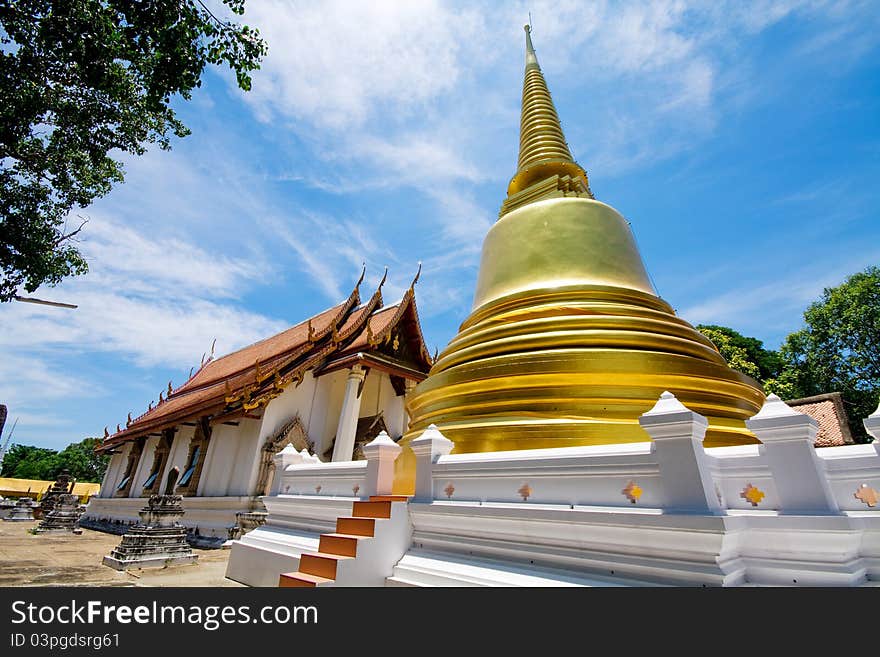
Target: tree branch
[72, 233]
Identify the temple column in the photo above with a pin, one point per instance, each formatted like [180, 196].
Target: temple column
[343, 449]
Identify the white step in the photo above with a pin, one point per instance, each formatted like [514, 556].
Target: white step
[425, 568]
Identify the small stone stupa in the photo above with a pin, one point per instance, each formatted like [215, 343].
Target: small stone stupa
[61, 508]
[23, 511]
[159, 539]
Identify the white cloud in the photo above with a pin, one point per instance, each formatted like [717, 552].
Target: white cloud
[152, 301]
[337, 63]
[777, 306]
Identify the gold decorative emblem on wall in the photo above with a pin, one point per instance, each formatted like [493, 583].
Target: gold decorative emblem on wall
[355, 489]
[752, 495]
[318, 489]
[525, 492]
[449, 490]
[866, 494]
[632, 492]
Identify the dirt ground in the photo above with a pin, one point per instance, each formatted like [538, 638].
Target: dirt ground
[70, 560]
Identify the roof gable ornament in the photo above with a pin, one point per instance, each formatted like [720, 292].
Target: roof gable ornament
[416, 279]
[311, 332]
[106, 433]
[118, 428]
[170, 388]
[160, 397]
[128, 420]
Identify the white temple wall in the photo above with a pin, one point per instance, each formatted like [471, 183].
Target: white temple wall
[114, 472]
[395, 414]
[371, 394]
[145, 464]
[325, 410]
[294, 400]
[379, 396]
[179, 452]
[219, 460]
[244, 474]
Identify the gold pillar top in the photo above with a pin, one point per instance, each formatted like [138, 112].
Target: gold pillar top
[543, 151]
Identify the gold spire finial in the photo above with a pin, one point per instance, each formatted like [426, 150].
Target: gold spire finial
[531, 57]
[543, 152]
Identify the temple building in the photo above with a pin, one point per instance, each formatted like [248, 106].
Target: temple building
[327, 385]
[576, 432]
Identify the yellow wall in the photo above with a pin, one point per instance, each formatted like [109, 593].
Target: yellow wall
[19, 488]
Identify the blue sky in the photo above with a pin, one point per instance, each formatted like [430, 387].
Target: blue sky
[740, 139]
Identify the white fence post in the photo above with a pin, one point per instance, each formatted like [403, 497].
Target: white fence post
[872, 425]
[380, 454]
[678, 434]
[428, 447]
[799, 474]
[281, 460]
[287, 456]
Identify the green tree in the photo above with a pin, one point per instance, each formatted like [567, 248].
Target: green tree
[29, 462]
[82, 461]
[839, 348]
[742, 353]
[81, 80]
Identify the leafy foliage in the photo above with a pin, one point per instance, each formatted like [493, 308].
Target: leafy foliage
[28, 462]
[744, 354]
[82, 81]
[838, 350]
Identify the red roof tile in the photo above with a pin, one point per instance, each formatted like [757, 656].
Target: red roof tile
[829, 412]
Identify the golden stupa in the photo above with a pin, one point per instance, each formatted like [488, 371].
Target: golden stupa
[568, 342]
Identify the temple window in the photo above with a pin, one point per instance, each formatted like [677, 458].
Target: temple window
[198, 447]
[124, 487]
[191, 467]
[160, 456]
[151, 479]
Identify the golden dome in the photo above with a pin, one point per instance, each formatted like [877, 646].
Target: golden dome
[567, 343]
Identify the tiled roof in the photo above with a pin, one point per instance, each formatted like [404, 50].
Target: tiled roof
[261, 370]
[265, 351]
[829, 412]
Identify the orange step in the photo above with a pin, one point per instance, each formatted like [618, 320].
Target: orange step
[356, 526]
[344, 545]
[298, 580]
[389, 498]
[371, 509]
[320, 564]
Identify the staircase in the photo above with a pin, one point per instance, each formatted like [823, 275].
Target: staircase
[362, 551]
